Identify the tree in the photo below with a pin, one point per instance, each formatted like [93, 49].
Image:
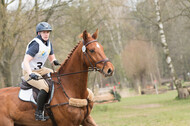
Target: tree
[166, 49]
[139, 60]
[9, 38]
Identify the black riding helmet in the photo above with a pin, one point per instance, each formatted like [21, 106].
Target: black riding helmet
[43, 26]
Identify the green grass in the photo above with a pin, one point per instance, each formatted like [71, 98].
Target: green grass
[145, 110]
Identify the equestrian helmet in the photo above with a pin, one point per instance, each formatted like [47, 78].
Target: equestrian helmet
[43, 26]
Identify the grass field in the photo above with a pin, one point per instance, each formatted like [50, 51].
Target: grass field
[145, 110]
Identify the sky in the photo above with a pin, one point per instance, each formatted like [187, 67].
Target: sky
[30, 3]
[27, 3]
[14, 5]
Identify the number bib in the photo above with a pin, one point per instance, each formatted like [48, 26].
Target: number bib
[40, 58]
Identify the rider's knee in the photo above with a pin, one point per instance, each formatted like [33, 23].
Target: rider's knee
[46, 88]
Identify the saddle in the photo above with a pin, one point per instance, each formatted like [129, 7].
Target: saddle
[29, 93]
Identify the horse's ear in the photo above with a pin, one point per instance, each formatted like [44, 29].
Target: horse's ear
[85, 36]
[95, 35]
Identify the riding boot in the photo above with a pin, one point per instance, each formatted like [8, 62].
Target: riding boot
[39, 114]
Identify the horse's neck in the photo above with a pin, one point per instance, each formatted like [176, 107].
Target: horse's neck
[75, 84]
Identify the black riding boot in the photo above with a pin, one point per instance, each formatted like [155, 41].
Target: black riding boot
[39, 114]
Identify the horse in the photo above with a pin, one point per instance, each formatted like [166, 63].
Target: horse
[70, 83]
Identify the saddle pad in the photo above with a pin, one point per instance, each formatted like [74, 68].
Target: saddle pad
[26, 95]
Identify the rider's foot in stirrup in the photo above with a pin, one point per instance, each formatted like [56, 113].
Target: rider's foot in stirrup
[39, 115]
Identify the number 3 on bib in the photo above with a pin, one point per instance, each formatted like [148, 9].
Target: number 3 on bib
[39, 65]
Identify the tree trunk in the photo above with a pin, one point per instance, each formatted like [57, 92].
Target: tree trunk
[5, 60]
[165, 47]
[138, 86]
[6, 73]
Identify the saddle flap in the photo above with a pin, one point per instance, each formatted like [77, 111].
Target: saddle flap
[26, 95]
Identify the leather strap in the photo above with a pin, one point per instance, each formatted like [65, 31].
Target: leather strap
[50, 113]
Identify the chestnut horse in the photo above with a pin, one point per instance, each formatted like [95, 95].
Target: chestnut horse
[70, 82]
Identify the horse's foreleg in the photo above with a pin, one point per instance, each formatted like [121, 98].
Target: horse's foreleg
[4, 121]
[89, 121]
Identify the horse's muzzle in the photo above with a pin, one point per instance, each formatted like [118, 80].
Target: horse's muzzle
[108, 70]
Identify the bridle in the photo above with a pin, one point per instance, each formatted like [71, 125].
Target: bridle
[84, 50]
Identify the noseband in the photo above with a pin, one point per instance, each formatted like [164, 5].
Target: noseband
[104, 61]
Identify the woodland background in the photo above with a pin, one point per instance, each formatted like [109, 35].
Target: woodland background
[128, 31]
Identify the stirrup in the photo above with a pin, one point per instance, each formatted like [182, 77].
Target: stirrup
[39, 115]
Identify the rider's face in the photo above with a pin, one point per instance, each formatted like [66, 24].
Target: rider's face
[45, 35]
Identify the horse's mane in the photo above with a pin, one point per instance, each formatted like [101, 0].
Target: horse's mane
[68, 57]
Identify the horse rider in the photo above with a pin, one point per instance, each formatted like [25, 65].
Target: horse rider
[37, 52]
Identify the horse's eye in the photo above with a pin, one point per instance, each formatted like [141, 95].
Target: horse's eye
[91, 50]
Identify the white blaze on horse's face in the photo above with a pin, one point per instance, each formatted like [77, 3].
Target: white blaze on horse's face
[97, 45]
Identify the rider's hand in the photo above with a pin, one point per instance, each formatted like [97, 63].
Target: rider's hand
[56, 63]
[34, 76]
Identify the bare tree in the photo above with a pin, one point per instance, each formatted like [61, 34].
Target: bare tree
[7, 42]
[139, 60]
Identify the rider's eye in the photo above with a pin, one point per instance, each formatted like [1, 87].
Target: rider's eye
[91, 50]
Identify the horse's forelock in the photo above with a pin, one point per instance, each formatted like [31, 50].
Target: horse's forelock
[81, 35]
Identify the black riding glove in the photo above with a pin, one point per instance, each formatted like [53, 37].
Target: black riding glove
[56, 63]
[34, 76]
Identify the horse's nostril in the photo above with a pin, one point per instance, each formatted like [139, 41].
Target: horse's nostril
[109, 71]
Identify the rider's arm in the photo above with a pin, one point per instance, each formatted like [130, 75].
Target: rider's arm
[51, 55]
[51, 58]
[27, 59]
